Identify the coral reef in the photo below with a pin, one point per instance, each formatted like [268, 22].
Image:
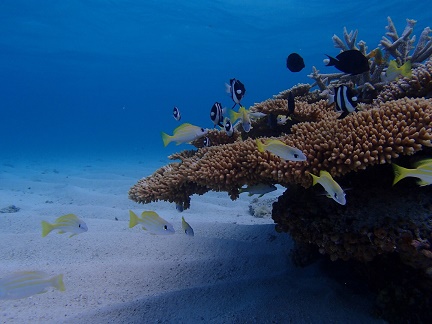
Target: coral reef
[393, 124]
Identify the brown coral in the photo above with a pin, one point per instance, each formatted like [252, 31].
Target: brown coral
[375, 136]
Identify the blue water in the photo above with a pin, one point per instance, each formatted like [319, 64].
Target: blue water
[101, 77]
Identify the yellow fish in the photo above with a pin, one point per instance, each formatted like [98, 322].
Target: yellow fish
[332, 188]
[393, 71]
[66, 223]
[184, 133]
[423, 171]
[243, 115]
[378, 56]
[151, 222]
[282, 150]
[28, 283]
[187, 229]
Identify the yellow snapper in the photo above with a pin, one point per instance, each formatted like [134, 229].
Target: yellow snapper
[184, 133]
[28, 283]
[282, 150]
[66, 223]
[151, 222]
[423, 171]
[243, 115]
[187, 229]
[393, 71]
[332, 188]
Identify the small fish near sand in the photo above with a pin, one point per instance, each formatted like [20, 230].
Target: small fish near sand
[259, 189]
[332, 188]
[176, 114]
[237, 90]
[151, 222]
[295, 62]
[28, 283]
[351, 61]
[422, 171]
[185, 133]
[344, 99]
[69, 223]
[187, 229]
[282, 150]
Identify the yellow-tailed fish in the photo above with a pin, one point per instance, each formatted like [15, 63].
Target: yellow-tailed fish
[282, 150]
[423, 171]
[393, 71]
[184, 133]
[243, 115]
[332, 188]
[151, 222]
[28, 283]
[187, 229]
[66, 223]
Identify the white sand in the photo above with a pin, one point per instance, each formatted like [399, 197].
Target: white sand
[235, 269]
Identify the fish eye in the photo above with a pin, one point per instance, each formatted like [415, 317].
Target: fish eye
[165, 227]
[202, 130]
[296, 155]
[335, 195]
[79, 225]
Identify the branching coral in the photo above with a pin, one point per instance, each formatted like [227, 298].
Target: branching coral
[373, 136]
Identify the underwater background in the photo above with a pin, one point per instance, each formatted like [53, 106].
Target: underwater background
[100, 78]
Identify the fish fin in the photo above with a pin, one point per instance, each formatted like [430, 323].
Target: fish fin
[58, 282]
[399, 173]
[314, 179]
[332, 61]
[61, 232]
[250, 194]
[423, 183]
[72, 235]
[46, 228]
[260, 195]
[165, 138]
[260, 145]
[133, 220]
[227, 88]
[405, 69]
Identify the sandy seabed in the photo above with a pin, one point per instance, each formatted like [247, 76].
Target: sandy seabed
[236, 269]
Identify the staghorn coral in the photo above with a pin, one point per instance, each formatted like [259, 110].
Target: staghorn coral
[374, 136]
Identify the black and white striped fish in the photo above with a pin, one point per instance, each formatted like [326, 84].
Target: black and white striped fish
[344, 99]
[237, 90]
[216, 114]
[229, 129]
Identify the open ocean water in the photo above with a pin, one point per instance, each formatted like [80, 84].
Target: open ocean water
[100, 78]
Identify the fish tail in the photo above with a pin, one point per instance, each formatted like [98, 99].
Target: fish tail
[58, 282]
[46, 228]
[227, 88]
[399, 173]
[234, 115]
[133, 219]
[165, 138]
[260, 145]
[406, 69]
[314, 179]
[332, 61]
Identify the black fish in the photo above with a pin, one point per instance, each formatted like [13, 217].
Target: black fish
[272, 121]
[294, 62]
[216, 114]
[291, 103]
[176, 114]
[229, 129]
[351, 61]
[344, 99]
[237, 91]
[206, 142]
